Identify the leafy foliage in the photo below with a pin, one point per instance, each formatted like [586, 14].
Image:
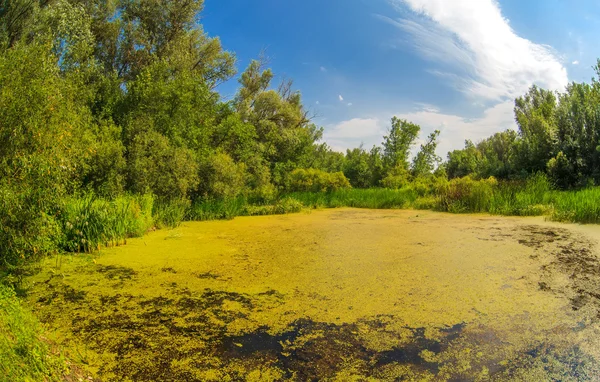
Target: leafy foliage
[317, 181]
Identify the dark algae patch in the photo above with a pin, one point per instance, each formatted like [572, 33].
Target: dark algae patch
[337, 295]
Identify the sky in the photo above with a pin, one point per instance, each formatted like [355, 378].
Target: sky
[451, 65]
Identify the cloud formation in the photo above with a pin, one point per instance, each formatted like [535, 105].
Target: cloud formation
[485, 57]
[351, 133]
[341, 98]
[454, 129]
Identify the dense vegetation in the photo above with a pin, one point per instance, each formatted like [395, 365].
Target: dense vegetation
[111, 124]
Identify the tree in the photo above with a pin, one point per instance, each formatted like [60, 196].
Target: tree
[463, 162]
[498, 155]
[285, 134]
[397, 144]
[536, 116]
[376, 165]
[426, 159]
[42, 144]
[357, 169]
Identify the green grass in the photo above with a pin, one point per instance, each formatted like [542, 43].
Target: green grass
[89, 222]
[170, 213]
[576, 206]
[24, 355]
[375, 198]
[216, 209]
[533, 197]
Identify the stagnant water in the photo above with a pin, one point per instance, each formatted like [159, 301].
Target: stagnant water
[333, 295]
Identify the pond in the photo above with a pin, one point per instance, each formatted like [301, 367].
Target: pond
[340, 294]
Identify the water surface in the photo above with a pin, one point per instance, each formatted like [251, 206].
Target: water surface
[339, 294]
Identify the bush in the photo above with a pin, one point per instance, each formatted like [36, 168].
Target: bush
[25, 230]
[467, 195]
[287, 206]
[317, 181]
[397, 178]
[155, 165]
[222, 178]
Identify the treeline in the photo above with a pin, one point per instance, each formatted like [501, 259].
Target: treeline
[111, 123]
[115, 98]
[559, 134]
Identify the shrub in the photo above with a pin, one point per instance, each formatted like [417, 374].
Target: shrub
[155, 165]
[317, 181]
[25, 230]
[467, 195]
[397, 178]
[222, 178]
[287, 206]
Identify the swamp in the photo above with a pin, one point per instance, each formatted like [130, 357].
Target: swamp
[338, 294]
[423, 204]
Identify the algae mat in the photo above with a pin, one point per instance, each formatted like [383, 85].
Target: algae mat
[339, 294]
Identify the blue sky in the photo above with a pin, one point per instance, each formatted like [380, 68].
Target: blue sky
[452, 65]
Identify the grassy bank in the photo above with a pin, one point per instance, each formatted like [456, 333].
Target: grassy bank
[534, 197]
[88, 223]
[25, 355]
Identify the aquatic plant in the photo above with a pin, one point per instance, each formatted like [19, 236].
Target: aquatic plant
[90, 222]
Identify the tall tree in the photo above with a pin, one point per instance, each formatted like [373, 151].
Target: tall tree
[426, 159]
[398, 143]
[536, 116]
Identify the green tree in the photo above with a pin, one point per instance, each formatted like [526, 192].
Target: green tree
[357, 168]
[398, 143]
[41, 129]
[426, 159]
[498, 155]
[285, 133]
[156, 166]
[463, 162]
[376, 164]
[536, 116]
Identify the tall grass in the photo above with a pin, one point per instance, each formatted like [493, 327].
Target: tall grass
[170, 213]
[216, 209]
[576, 206]
[89, 222]
[24, 356]
[375, 198]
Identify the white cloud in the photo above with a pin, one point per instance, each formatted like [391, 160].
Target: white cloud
[350, 104]
[486, 58]
[323, 69]
[576, 62]
[351, 133]
[454, 129]
[341, 98]
[318, 103]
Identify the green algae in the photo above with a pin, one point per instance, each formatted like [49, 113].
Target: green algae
[333, 295]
